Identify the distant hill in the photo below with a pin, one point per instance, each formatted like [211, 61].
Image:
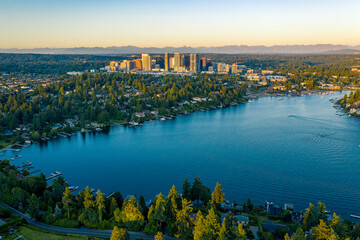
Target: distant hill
[230, 49]
[344, 51]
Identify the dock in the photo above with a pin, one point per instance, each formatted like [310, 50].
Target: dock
[73, 188]
[34, 172]
[16, 157]
[110, 195]
[25, 164]
[64, 134]
[54, 175]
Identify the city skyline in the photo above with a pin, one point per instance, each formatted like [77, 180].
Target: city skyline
[55, 24]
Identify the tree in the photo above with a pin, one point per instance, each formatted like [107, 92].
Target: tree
[200, 229]
[217, 196]
[196, 189]
[100, 203]
[88, 199]
[310, 217]
[298, 235]
[186, 189]
[113, 206]
[130, 215]
[183, 220]
[323, 231]
[151, 228]
[159, 212]
[171, 208]
[212, 225]
[33, 205]
[66, 200]
[159, 236]
[119, 234]
[142, 206]
[223, 231]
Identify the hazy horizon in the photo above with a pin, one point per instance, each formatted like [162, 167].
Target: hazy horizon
[160, 23]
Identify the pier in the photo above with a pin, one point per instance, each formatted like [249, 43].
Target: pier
[35, 171]
[64, 134]
[25, 164]
[54, 175]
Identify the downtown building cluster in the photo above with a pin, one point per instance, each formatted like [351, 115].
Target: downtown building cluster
[178, 63]
[175, 63]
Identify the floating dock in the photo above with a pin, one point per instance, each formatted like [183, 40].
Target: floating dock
[54, 175]
[25, 164]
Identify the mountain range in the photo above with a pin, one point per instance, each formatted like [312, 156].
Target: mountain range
[230, 49]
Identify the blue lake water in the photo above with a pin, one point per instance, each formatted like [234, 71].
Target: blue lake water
[254, 150]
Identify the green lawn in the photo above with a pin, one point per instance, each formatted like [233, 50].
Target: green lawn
[3, 144]
[31, 234]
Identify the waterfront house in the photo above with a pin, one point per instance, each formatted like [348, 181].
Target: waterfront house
[272, 227]
[272, 209]
[240, 219]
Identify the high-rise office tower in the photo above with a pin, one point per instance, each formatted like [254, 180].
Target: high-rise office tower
[234, 68]
[171, 62]
[166, 62]
[203, 63]
[146, 62]
[177, 60]
[138, 64]
[182, 60]
[193, 63]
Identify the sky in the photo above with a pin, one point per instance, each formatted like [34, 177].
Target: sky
[160, 23]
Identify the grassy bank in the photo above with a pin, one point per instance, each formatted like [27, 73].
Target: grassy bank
[33, 233]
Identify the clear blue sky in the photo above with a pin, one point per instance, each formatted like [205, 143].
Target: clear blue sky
[65, 23]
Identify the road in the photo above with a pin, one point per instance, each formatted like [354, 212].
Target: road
[78, 231]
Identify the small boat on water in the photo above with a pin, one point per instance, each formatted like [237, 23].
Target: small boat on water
[73, 188]
[162, 119]
[98, 129]
[290, 115]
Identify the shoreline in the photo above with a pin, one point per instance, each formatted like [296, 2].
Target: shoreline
[249, 97]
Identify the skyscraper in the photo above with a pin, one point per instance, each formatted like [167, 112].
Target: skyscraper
[146, 62]
[166, 62]
[193, 63]
[203, 63]
[138, 64]
[177, 60]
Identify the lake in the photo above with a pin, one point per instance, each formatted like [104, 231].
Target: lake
[255, 150]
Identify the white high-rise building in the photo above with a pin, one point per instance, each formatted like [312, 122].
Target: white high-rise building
[193, 66]
[146, 62]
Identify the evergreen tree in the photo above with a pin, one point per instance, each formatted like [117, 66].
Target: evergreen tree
[88, 199]
[159, 211]
[196, 189]
[183, 220]
[113, 206]
[212, 225]
[186, 190]
[66, 201]
[171, 208]
[100, 203]
[217, 196]
[200, 229]
[33, 205]
[159, 236]
[119, 234]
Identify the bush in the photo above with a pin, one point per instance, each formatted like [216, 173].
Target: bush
[134, 225]
[267, 236]
[151, 229]
[5, 213]
[67, 223]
